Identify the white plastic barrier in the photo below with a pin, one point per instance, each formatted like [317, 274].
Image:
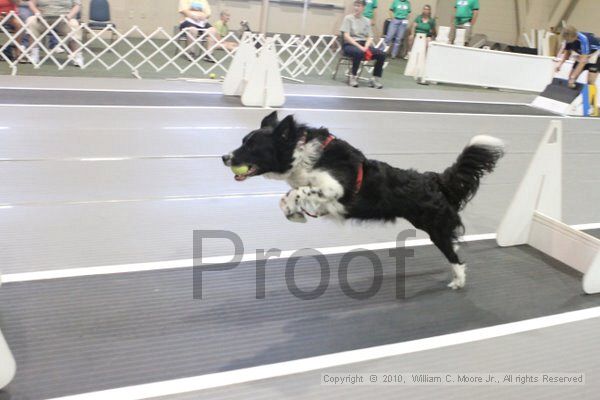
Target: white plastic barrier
[161, 50]
[8, 366]
[443, 35]
[534, 215]
[487, 68]
[461, 37]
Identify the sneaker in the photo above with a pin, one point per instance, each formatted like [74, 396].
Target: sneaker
[78, 60]
[35, 55]
[352, 81]
[375, 83]
[209, 59]
[407, 56]
[59, 50]
[190, 55]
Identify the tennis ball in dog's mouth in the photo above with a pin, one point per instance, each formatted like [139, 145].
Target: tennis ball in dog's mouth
[240, 169]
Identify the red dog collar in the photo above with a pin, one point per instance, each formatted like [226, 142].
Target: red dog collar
[360, 172]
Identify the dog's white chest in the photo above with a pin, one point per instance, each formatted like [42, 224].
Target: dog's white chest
[301, 178]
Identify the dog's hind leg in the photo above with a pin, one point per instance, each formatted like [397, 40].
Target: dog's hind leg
[446, 246]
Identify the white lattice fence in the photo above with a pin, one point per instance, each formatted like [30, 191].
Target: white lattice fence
[160, 50]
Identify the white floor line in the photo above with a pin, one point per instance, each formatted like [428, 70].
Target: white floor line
[287, 94]
[287, 108]
[204, 128]
[63, 89]
[187, 263]
[139, 200]
[412, 99]
[221, 379]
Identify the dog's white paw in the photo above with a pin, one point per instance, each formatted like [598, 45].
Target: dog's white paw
[289, 204]
[296, 217]
[460, 277]
[456, 284]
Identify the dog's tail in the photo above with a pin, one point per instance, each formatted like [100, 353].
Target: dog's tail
[461, 180]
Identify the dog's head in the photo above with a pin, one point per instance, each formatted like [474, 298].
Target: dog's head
[269, 149]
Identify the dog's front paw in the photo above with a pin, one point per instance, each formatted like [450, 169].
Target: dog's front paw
[290, 203]
[296, 217]
[290, 208]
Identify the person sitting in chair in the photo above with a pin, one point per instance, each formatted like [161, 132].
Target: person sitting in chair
[6, 6]
[358, 43]
[50, 11]
[220, 30]
[196, 14]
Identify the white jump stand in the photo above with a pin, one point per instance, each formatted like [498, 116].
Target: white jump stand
[265, 85]
[239, 71]
[255, 75]
[8, 365]
[534, 215]
[461, 36]
[443, 35]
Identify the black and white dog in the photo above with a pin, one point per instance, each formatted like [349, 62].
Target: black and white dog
[329, 177]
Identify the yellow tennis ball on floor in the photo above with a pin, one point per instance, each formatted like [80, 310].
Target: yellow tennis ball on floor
[212, 75]
[240, 170]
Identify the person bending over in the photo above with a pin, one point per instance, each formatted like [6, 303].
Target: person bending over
[587, 46]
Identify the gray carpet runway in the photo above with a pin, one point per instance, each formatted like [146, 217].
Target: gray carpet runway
[97, 186]
[109, 331]
[157, 99]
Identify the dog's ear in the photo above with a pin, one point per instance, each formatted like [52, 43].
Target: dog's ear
[286, 129]
[270, 121]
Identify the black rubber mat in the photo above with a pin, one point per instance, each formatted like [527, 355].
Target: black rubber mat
[93, 333]
[157, 99]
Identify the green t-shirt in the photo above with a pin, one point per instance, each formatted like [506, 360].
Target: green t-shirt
[401, 8]
[464, 11]
[425, 27]
[370, 8]
[221, 28]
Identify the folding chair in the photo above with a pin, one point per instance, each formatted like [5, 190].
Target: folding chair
[99, 18]
[345, 60]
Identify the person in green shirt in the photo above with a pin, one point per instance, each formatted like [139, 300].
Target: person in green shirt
[464, 17]
[370, 7]
[400, 12]
[425, 24]
[219, 30]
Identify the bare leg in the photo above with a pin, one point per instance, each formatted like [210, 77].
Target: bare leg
[191, 35]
